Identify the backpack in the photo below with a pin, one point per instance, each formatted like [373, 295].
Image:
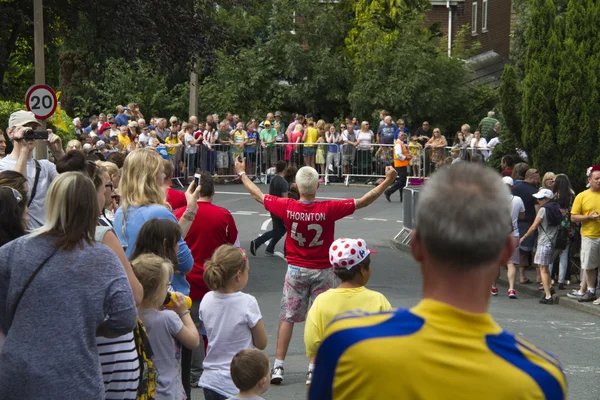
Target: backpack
[553, 213]
[556, 218]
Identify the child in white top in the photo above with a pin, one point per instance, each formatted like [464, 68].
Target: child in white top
[164, 326]
[232, 320]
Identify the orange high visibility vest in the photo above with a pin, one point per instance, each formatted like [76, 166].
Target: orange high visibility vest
[401, 163]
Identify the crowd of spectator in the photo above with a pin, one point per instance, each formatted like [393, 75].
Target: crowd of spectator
[348, 148]
[103, 224]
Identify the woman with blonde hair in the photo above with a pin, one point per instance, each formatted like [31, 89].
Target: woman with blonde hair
[548, 180]
[108, 214]
[143, 198]
[60, 289]
[74, 145]
[294, 150]
[437, 144]
[365, 137]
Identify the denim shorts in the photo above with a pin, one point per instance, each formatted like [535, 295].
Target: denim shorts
[309, 151]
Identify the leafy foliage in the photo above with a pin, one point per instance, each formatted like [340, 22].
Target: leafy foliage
[328, 58]
[122, 82]
[554, 79]
[7, 108]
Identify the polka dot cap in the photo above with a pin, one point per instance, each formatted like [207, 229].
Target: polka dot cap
[346, 253]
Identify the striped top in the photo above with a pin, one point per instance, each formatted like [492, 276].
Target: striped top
[118, 357]
[120, 366]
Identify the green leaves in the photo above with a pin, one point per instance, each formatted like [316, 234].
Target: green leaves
[557, 58]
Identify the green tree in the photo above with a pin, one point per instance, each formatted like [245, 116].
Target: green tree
[299, 67]
[405, 73]
[511, 100]
[539, 116]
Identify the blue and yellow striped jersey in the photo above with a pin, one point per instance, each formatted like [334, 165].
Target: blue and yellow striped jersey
[434, 352]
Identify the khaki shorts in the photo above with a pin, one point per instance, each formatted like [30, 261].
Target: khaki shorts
[590, 253]
[545, 255]
[300, 288]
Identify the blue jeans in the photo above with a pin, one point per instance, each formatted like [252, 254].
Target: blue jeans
[562, 266]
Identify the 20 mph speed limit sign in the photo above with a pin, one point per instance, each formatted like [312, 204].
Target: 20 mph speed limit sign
[41, 100]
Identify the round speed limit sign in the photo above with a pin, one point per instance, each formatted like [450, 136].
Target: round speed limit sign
[41, 100]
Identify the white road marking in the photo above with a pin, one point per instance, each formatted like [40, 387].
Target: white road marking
[244, 212]
[348, 217]
[264, 215]
[265, 225]
[280, 254]
[375, 219]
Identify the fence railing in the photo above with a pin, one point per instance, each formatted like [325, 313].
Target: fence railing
[333, 161]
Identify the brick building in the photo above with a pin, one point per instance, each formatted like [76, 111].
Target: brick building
[490, 22]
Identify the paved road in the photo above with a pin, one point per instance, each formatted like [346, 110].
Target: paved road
[570, 335]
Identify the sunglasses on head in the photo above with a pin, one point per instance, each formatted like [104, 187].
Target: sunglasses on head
[15, 193]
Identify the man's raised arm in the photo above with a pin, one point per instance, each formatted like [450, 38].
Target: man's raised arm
[240, 168]
[390, 177]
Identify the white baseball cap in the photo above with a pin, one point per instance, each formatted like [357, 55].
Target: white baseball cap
[20, 118]
[544, 193]
[346, 253]
[508, 180]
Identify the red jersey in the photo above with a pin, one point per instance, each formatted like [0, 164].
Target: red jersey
[176, 199]
[213, 227]
[310, 228]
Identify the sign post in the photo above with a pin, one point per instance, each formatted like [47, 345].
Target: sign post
[41, 147]
[41, 101]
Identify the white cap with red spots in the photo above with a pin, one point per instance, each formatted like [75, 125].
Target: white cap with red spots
[346, 253]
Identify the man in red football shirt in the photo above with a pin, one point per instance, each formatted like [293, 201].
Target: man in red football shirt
[214, 228]
[310, 228]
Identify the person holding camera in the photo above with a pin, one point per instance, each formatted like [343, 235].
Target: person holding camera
[39, 173]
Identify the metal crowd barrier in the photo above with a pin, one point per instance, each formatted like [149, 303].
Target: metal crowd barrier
[344, 164]
[409, 212]
[465, 153]
[366, 161]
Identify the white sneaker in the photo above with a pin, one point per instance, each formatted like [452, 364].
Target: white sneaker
[575, 294]
[277, 375]
[309, 375]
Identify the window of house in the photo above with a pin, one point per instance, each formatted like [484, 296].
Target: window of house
[474, 18]
[484, 16]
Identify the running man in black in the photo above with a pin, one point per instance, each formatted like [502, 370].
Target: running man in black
[278, 187]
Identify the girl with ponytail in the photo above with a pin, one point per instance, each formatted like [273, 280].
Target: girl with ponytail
[232, 320]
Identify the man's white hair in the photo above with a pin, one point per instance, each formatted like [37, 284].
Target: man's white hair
[491, 114]
[307, 180]
[76, 120]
